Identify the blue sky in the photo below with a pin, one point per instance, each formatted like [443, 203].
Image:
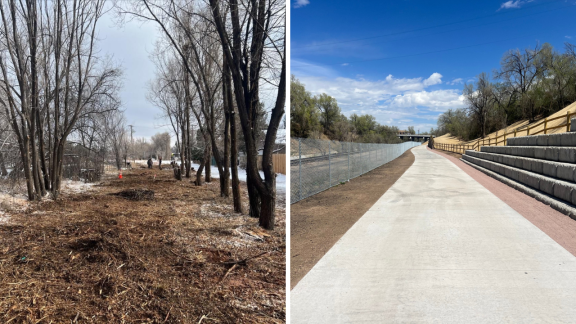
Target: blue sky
[130, 46]
[406, 61]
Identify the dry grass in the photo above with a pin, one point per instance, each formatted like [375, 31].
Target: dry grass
[183, 257]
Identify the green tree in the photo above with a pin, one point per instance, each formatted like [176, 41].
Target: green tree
[304, 114]
[343, 129]
[364, 124]
[329, 112]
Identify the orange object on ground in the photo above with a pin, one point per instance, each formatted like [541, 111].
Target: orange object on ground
[120, 175]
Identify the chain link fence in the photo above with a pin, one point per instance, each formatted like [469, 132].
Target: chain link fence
[316, 165]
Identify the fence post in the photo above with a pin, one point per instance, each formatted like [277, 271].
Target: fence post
[300, 168]
[329, 165]
[361, 166]
[545, 125]
[348, 161]
[567, 121]
[527, 131]
[515, 132]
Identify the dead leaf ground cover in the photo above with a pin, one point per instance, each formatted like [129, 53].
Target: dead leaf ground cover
[183, 257]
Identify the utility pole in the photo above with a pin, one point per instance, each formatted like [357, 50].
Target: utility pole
[131, 131]
[131, 138]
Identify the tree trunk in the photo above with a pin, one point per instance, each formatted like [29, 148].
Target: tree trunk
[183, 153]
[42, 152]
[186, 126]
[198, 181]
[25, 153]
[208, 163]
[225, 175]
[227, 89]
[3, 171]
[253, 194]
[188, 146]
[32, 29]
[267, 214]
[57, 173]
[236, 193]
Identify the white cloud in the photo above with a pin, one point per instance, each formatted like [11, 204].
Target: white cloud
[439, 100]
[344, 64]
[569, 37]
[455, 81]
[435, 78]
[513, 4]
[393, 101]
[301, 3]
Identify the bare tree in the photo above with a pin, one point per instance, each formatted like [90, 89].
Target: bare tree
[521, 70]
[50, 78]
[115, 127]
[254, 55]
[161, 144]
[480, 100]
[253, 27]
[195, 41]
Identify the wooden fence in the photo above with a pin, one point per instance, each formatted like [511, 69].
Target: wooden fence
[279, 162]
[491, 141]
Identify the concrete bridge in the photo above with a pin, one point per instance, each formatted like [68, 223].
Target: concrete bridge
[414, 137]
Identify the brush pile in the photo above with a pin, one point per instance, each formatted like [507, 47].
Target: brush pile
[136, 194]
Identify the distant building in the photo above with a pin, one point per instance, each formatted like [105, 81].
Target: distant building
[402, 132]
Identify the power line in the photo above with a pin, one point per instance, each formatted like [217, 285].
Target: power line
[429, 27]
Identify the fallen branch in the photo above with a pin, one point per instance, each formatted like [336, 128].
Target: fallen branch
[228, 272]
[243, 262]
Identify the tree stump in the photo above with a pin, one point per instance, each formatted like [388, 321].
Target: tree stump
[177, 174]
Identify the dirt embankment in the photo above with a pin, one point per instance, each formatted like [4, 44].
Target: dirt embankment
[182, 257]
[318, 222]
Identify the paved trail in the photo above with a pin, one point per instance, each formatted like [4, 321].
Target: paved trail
[438, 247]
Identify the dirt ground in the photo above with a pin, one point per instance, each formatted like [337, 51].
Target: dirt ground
[182, 257]
[318, 222]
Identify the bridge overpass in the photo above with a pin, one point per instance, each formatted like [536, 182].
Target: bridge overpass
[414, 137]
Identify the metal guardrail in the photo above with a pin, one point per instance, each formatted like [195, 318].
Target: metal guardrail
[317, 165]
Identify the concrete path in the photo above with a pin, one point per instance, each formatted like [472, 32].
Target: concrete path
[438, 247]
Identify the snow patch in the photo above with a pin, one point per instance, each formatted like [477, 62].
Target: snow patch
[12, 201]
[3, 217]
[280, 178]
[70, 186]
